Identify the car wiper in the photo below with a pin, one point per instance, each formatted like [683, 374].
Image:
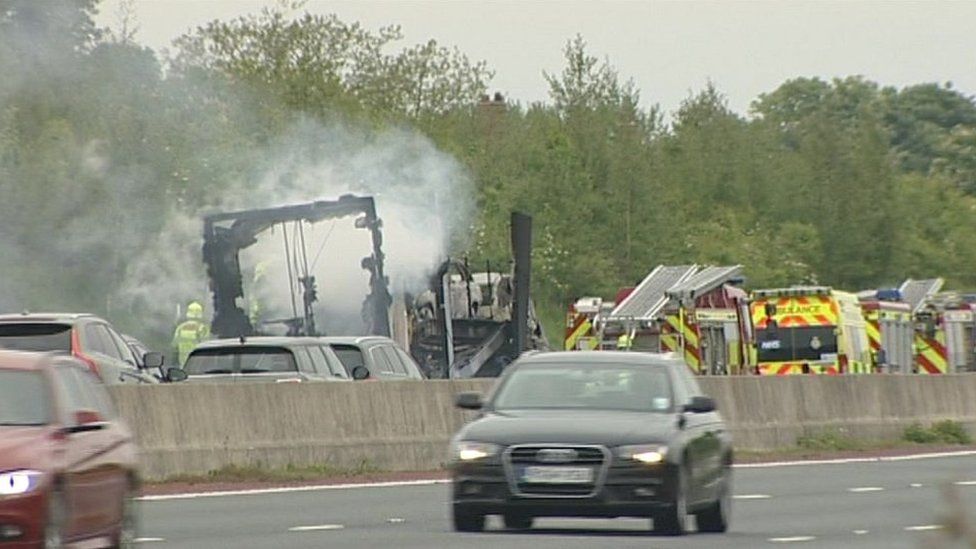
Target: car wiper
[21, 423]
[254, 371]
[217, 371]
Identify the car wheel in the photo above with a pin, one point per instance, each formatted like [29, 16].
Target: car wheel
[129, 529]
[468, 521]
[514, 521]
[54, 522]
[673, 521]
[715, 518]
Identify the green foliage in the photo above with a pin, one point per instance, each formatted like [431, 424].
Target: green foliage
[839, 182]
[830, 440]
[946, 432]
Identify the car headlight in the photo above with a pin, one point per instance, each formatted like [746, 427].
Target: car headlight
[467, 450]
[644, 453]
[19, 482]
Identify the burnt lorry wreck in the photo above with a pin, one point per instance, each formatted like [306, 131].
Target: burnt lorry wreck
[225, 235]
[473, 324]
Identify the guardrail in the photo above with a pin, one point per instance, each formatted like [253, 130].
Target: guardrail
[193, 429]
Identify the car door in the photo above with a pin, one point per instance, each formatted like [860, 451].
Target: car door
[130, 362]
[409, 365]
[332, 366]
[704, 431]
[87, 485]
[387, 362]
[97, 344]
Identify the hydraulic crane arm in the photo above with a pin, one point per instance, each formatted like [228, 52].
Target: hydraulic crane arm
[226, 234]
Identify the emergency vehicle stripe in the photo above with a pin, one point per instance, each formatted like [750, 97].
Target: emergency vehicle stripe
[581, 327]
[692, 354]
[669, 334]
[874, 334]
[931, 357]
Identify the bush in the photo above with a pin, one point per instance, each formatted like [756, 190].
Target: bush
[952, 432]
[827, 440]
[947, 431]
[919, 434]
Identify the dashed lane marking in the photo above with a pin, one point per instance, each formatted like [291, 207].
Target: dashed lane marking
[916, 485]
[862, 489]
[792, 539]
[395, 520]
[860, 532]
[316, 528]
[752, 496]
[923, 528]
[966, 483]
[148, 540]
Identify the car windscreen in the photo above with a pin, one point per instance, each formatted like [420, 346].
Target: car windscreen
[796, 343]
[251, 359]
[350, 356]
[24, 399]
[586, 386]
[35, 336]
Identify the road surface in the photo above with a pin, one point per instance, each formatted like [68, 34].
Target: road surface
[882, 504]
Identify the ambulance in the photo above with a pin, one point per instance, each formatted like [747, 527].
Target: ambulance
[808, 330]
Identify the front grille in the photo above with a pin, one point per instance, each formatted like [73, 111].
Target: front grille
[555, 459]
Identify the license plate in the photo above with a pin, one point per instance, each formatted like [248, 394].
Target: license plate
[557, 475]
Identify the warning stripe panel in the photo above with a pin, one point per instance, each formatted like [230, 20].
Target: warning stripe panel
[581, 330]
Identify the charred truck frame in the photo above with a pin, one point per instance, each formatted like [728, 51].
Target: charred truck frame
[226, 234]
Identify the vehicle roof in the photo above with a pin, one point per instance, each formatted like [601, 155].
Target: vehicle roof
[259, 341]
[44, 317]
[23, 360]
[354, 340]
[601, 357]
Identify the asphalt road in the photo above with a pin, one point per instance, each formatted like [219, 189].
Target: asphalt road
[884, 504]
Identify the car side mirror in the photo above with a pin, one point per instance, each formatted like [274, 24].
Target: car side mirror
[469, 401]
[360, 373]
[700, 405]
[86, 420]
[175, 375]
[153, 359]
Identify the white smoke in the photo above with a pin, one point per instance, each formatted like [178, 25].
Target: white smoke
[423, 196]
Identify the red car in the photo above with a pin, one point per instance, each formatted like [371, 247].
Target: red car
[68, 465]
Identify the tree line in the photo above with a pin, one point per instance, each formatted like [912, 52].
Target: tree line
[845, 182]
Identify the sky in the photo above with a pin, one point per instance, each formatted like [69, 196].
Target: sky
[669, 49]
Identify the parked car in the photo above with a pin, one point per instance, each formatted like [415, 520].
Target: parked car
[381, 357]
[89, 338]
[69, 473]
[265, 358]
[593, 434]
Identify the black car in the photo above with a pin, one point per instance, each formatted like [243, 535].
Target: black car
[593, 434]
[87, 337]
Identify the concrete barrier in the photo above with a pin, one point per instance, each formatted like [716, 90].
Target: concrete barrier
[196, 428]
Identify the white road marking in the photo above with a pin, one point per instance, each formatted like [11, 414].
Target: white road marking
[916, 485]
[752, 496]
[860, 532]
[792, 539]
[431, 482]
[291, 489]
[923, 528]
[148, 540]
[395, 520]
[843, 461]
[316, 528]
[861, 489]
[966, 483]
